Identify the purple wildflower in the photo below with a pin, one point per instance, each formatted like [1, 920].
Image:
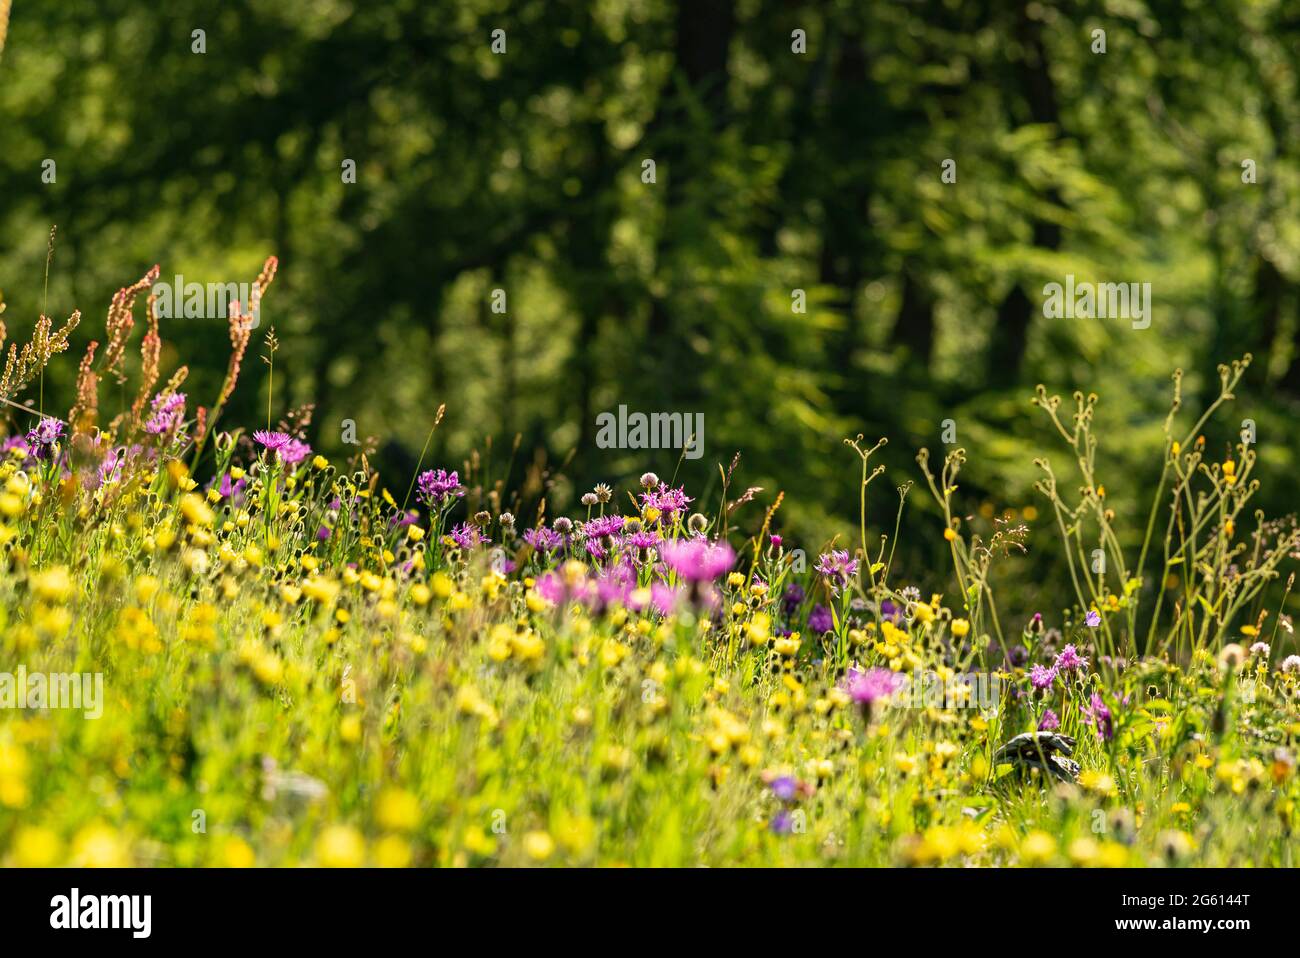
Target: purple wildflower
[665, 598]
[643, 540]
[1049, 721]
[872, 685]
[793, 598]
[614, 586]
[782, 823]
[468, 536]
[167, 411]
[410, 517]
[785, 788]
[837, 568]
[820, 619]
[42, 437]
[1040, 677]
[273, 441]
[294, 451]
[543, 539]
[668, 501]
[551, 588]
[1093, 618]
[110, 468]
[437, 488]
[1099, 717]
[697, 560]
[286, 448]
[1070, 659]
[602, 526]
[232, 490]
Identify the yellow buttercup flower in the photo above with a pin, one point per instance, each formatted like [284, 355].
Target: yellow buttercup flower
[340, 846]
[35, 847]
[397, 810]
[195, 510]
[1038, 848]
[539, 846]
[392, 851]
[53, 584]
[98, 846]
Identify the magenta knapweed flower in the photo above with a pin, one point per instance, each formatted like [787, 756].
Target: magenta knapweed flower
[602, 526]
[42, 437]
[271, 440]
[1099, 717]
[167, 411]
[115, 459]
[872, 685]
[294, 451]
[837, 569]
[550, 586]
[1070, 659]
[468, 536]
[666, 598]
[1049, 721]
[407, 518]
[697, 560]
[668, 501]
[644, 539]
[785, 788]
[793, 598]
[285, 447]
[234, 490]
[543, 539]
[1040, 677]
[437, 487]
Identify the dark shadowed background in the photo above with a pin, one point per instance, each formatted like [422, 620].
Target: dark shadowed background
[776, 171]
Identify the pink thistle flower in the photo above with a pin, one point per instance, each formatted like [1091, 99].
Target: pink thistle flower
[873, 685]
[697, 560]
[1040, 677]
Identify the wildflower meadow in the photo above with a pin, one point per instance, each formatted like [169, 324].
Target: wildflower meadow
[463, 464]
[303, 661]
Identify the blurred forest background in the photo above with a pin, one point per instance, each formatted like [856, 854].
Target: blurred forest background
[776, 170]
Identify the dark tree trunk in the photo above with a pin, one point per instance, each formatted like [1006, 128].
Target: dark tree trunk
[914, 325]
[704, 29]
[846, 234]
[1015, 313]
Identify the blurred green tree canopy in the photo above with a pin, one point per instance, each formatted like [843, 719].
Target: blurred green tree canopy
[777, 168]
